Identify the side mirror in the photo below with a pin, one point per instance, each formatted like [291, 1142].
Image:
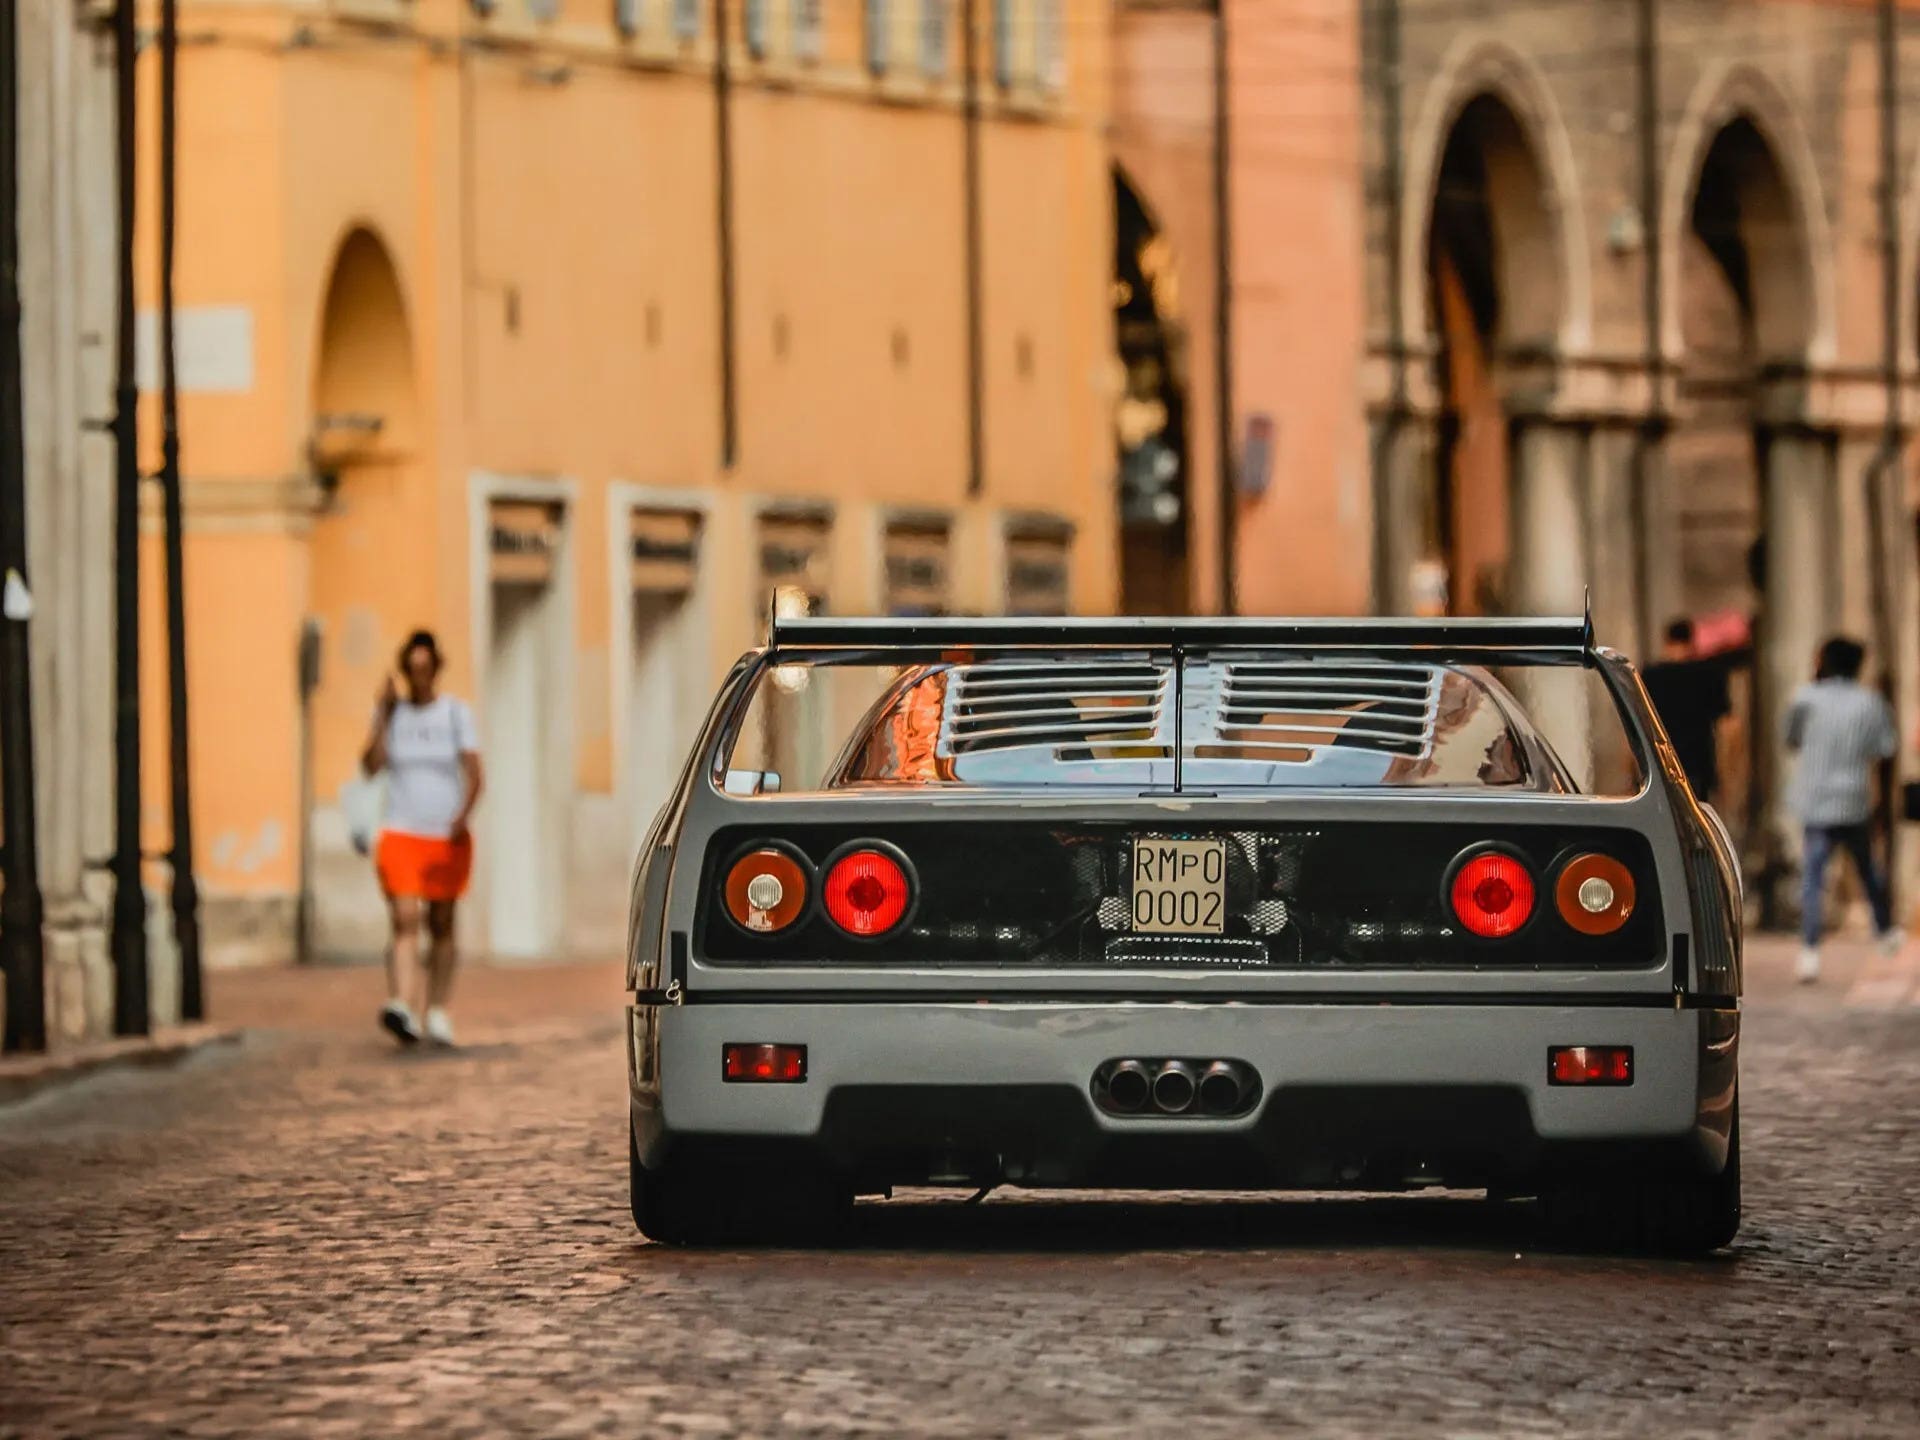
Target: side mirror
[751, 782]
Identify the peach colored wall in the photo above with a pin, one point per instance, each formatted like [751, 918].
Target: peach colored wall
[1298, 247]
[548, 205]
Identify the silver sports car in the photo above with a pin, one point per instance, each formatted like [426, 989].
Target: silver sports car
[1183, 904]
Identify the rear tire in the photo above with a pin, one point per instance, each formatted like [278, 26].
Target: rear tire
[687, 1205]
[1656, 1215]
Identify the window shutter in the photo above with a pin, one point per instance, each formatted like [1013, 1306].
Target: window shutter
[686, 19]
[1050, 55]
[1003, 43]
[626, 16]
[877, 36]
[933, 36]
[806, 29]
[755, 24]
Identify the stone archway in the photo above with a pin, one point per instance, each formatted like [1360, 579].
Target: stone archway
[1151, 417]
[1749, 516]
[368, 584]
[1494, 292]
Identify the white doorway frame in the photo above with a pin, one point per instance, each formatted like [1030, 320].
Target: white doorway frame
[483, 489]
[623, 498]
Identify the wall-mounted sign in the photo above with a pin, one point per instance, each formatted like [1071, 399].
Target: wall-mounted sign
[916, 579]
[1038, 552]
[1255, 470]
[662, 548]
[524, 534]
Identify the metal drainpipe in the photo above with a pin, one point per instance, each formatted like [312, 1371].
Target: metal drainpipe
[972, 245]
[183, 892]
[1223, 310]
[1392, 183]
[22, 937]
[723, 172]
[129, 925]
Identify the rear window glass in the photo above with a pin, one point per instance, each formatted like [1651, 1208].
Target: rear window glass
[1253, 721]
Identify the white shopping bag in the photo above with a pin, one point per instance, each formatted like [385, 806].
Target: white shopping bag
[363, 800]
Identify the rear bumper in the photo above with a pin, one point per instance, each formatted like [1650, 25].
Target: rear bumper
[1366, 1095]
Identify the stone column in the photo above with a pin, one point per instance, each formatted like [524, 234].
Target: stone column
[1405, 452]
[1800, 602]
[1551, 568]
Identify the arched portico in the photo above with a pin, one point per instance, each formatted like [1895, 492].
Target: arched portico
[1749, 519]
[367, 585]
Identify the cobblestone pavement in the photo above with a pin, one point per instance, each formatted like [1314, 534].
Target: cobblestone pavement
[307, 1234]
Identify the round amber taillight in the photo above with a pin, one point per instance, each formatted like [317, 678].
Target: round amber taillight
[1594, 894]
[766, 890]
[1492, 894]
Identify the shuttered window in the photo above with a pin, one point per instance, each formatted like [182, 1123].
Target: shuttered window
[754, 21]
[1049, 43]
[877, 36]
[806, 29]
[1003, 18]
[933, 36]
[686, 19]
[626, 16]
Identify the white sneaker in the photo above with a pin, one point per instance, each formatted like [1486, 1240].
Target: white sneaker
[439, 1027]
[398, 1018]
[1893, 941]
[1807, 968]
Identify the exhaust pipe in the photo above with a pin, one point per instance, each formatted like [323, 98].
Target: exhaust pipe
[1173, 1087]
[1220, 1090]
[1128, 1086]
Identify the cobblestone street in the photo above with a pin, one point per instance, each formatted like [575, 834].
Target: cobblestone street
[306, 1234]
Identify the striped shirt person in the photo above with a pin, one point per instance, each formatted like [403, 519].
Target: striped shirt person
[1839, 730]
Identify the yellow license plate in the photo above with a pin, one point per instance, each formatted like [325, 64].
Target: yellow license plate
[1179, 886]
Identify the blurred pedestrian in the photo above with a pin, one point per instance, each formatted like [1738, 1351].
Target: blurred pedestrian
[430, 749]
[1840, 730]
[1689, 692]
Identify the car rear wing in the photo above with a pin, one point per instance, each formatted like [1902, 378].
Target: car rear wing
[1497, 641]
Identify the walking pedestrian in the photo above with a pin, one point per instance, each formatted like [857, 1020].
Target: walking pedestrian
[1839, 729]
[430, 749]
[1689, 693]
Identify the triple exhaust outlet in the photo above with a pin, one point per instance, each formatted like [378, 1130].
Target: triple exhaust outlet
[1213, 1088]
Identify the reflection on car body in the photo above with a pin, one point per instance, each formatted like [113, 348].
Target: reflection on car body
[1183, 903]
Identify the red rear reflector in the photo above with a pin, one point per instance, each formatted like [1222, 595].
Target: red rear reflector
[770, 1064]
[1590, 1065]
[866, 893]
[1492, 894]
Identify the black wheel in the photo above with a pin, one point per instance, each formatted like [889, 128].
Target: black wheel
[1660, 1215]
[681, 1205]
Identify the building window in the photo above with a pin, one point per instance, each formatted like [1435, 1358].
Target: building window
[542, 10]
[755, 23]
[1049, 44]
[626, 16]
[933, 36]
[806, 29]
[877, 36]
[686, 19]
[1003, 43]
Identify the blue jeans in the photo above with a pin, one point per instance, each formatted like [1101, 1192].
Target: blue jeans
[1857, 841]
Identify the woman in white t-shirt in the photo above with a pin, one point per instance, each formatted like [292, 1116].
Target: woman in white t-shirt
[430, 750]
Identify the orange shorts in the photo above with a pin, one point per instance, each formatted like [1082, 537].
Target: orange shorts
[423, 867]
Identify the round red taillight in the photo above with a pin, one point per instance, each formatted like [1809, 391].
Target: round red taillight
[866, 892]
[1492, 894]
[766, 890]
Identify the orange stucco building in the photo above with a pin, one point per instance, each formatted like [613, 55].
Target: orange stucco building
[466, 343]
